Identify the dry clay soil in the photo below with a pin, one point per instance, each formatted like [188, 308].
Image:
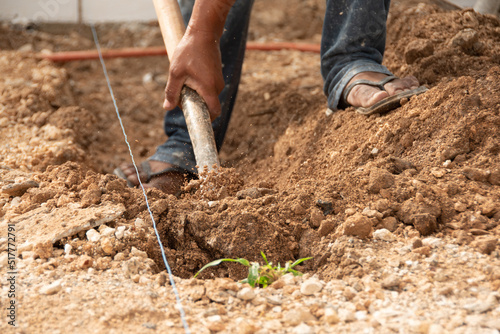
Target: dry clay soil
[400, 212]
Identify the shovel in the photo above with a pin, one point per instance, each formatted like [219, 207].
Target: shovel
[193, 106]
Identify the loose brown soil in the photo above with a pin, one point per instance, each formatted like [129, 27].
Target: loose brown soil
[305, 181]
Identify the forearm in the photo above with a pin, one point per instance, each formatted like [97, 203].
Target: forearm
[209, 17]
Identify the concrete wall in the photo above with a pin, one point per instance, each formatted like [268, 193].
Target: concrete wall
[72, 10]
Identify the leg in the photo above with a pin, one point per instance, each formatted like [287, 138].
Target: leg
[177, 150]
[352, 48]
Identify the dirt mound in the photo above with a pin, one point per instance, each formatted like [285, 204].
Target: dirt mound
[434, 45]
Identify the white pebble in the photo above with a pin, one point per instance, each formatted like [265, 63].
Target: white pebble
[383, 234]
[67, 249]
[140, 223]
[120, 231]
[214, 318]
[93, 235]
[303, 329]
[296, 316]
[108, 231]
[51, 289]
[331, 316]
[135, 252]
[346, 315]
[432, 242]
[246, 294]
[311, 286]
[361, 315]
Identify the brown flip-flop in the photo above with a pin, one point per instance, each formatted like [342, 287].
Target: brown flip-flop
[145, 169]
[387, 104]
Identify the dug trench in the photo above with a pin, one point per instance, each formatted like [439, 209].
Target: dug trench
[305, 181]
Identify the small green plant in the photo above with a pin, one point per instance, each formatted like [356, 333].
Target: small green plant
[261, 275]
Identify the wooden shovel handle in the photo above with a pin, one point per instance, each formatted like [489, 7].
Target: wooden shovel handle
[193, 106]
[171, 23]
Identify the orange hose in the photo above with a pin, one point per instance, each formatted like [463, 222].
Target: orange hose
[160, 51]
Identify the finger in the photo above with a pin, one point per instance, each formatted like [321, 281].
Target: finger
[173, 91]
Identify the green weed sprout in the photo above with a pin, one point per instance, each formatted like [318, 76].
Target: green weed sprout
[260, 275]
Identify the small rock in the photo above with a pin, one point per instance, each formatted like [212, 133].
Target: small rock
[350, 212]
[93, 235]
[494, 177]
[361, 315]
[44, 250]
[384, 235]
[416, 243]
[325, 206]
[135, 252]
[419, 48]
[380, 179]
[460, 207]
[120, 232]
[246, 293]
[372, 213]
[390, 223]
[358, 225]
[476, 174]
[436, 329]
[465, 39]
[67, 249]
[432, 242]
[331, 317]
[349, 293]
[295, 316]
[316, 217]
[438, 172]
[485, 245]
[51, 289]
[303, 329]
[425, 250]
[346, 315]
[446, 291]
[119, 257]
[140, 223]
[391, 282]
[161, 280]
[84, 262]
[326, 227]
[424, 223]
[299, 209]
[274, 300]
[489, 208]
[18, 189]
[107, 246]
[482, 306]
[252, 193]
[311, 286]
[107, 231]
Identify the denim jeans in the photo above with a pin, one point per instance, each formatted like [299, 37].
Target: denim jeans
[353, 41]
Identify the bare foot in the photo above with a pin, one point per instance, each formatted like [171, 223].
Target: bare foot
[365, 96]
[170, 182]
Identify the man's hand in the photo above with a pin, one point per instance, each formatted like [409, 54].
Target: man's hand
[197, 64]
[196, 61]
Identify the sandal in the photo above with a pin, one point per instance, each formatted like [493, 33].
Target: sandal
[387, 104]
[145, 169]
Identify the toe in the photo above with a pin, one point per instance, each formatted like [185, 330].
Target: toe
[365, 96]
[130, 173]
[401, 85]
